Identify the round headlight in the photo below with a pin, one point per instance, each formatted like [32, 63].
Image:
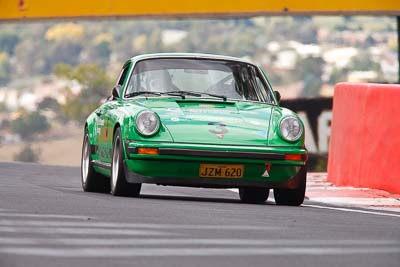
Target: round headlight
[291, 129]
[147, 123]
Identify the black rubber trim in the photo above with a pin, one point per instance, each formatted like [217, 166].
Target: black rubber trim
[220, 154]
[131, 150]
[292, 183]
[93, 149]
[101, 164]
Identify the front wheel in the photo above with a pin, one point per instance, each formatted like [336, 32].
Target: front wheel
[119, 185]
[253, 194]
[292, 197]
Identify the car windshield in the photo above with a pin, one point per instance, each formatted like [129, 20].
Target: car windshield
[199, 78]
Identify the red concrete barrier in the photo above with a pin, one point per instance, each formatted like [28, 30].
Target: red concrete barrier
[364, 148]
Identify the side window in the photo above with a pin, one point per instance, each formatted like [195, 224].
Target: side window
[265, 93]
[134, 83]
[123, 75]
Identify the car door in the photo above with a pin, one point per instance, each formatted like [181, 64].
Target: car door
[102, 132]
[107, 122]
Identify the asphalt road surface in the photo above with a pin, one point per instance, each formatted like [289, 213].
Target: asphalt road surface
[47, 220]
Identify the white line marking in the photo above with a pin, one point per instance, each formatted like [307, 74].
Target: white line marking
[330, 187]
[270, 198]
[30, 215]
[92, 224]
[157, 252]
[197, 241]
[353, 210]
[365, 201]
[79, 231]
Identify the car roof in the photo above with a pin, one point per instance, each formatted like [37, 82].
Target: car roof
[188, 55]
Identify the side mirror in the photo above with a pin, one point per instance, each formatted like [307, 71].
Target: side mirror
[116, 92]
[278, 96]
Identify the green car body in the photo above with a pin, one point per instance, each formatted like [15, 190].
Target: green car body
[193, 131]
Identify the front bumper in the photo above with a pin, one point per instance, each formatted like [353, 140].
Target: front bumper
[178, 164]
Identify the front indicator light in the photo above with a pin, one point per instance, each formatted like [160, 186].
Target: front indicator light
[147, 151]
[297, 157]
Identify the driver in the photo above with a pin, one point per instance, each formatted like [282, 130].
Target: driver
[160, 81]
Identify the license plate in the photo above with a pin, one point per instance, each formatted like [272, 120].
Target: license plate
[221, 171]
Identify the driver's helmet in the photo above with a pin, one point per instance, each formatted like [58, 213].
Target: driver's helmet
[159, 81]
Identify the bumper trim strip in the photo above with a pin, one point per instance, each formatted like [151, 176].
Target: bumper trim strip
[220, 154]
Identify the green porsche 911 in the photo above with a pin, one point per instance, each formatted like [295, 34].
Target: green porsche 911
[195, 120]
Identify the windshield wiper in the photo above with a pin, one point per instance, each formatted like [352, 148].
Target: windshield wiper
[196, 94]
[218, 96]
[142, 93]
[172, 93]
[183, 94]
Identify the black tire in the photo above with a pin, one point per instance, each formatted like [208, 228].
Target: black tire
[90, 179]
[253, 194]
[118, 183]
[292, 197]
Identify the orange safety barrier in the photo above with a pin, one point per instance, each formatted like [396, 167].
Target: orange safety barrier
[364, 146]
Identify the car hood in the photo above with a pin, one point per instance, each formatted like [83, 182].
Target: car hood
[213, 122]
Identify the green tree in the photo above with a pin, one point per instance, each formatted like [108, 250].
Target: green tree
[4, 68]
[3, 107]
[312, 85]
[96, 86]
[29, 124]
[310, 70]
[49, 103]
[27, 154]
[31, 58]
[8, 41]
[338, 75]
[101, 53]
[364, 62]
[66, 52]
[306, 33]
